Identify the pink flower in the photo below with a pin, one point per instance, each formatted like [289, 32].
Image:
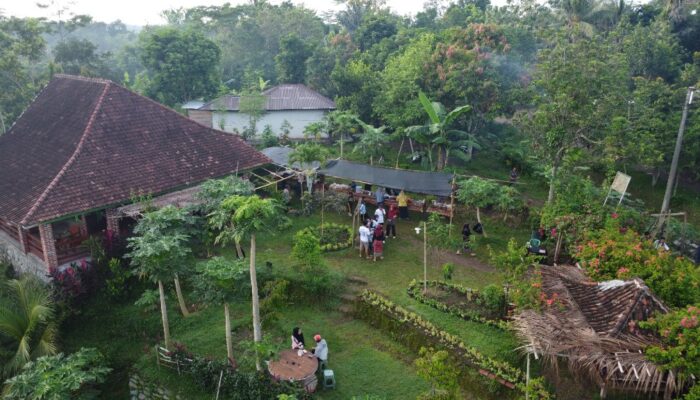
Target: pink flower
[614, 215]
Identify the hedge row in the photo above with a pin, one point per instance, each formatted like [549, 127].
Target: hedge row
[415, 290]
[394, 319]
[328, 227]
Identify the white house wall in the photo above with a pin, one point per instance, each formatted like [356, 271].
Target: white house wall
[299, 119]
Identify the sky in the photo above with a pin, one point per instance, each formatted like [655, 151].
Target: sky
[147, 12]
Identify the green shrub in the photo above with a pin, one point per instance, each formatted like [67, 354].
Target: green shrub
[149, 300]
[307, 248]
[59, 377]
[447, 270]
[493, 298]
[119, 274]
[268, 137]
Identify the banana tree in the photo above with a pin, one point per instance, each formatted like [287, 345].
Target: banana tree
[371, 142]
[250, 215]
[437, 134]
[306, 154]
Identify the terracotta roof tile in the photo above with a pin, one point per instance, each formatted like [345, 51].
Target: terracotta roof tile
[88, 143]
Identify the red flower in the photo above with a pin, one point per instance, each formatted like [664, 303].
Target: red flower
[614, 215]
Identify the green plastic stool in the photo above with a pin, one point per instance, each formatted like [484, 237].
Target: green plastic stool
[328, 379]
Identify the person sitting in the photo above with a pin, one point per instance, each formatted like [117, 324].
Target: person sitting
[321, 349]
[661, 244]
[297, 339]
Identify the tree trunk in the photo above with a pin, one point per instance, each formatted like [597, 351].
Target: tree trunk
[655, 177]
[164, 315]
[478, 219]
[257, 334]
[181, 298]
[550, 196]
[239, 250]
[371, 160]
[441, 159]
[229, 338]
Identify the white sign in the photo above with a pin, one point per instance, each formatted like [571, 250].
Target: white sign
[620, 184]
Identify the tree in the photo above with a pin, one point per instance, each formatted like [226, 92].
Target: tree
[218, 278]
[581, 87]
[356, 85]
[371, 142]
[306, 154]
[158, 252]
[79, 57]
[437, 133]
[373, 29]
[182, 65]
[27, 326]
[341, 124]
[478, 193]
[250, 215]
[21, 45]
[291, 60]
[435, 367]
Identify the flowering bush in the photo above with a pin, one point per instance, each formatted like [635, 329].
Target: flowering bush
[331, 236]
[680, 335]
[617, 252]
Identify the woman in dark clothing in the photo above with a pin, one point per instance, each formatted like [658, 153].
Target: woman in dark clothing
[466, 236]
[378, 242]
[297, 339]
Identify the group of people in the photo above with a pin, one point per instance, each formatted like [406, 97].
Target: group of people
[321, 349]
[372, 230]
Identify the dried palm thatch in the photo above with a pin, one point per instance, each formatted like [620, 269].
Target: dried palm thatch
[593, 326]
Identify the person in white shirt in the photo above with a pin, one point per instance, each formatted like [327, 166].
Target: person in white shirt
[380, 214]
[364, 240]
[321, 349]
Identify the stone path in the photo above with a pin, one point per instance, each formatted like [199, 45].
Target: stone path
[142, 390]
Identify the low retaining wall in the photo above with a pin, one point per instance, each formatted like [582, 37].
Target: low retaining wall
[23, 263]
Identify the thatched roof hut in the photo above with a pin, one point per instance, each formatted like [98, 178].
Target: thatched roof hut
[593, 325]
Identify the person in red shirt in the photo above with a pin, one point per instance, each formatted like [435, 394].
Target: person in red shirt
[391, 221]
[378, 243]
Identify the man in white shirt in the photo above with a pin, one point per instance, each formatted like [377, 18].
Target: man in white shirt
[380, 214]
[364, 240]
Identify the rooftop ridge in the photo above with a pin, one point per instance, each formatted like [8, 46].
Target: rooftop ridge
[72, 158]
[84, 78]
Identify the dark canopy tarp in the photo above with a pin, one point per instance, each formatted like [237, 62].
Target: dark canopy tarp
[434, 183]
[280, 156]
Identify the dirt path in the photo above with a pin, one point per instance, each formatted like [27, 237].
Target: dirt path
[464, 260]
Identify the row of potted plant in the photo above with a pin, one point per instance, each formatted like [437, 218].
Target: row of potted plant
[415, 290]
[501, 371]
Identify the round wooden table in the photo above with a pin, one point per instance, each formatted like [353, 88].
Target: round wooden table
[294, 368]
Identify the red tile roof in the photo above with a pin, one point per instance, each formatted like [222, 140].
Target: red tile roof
[282, 97]
[87, 143]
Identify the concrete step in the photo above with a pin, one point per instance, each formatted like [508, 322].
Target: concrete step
[348, 297]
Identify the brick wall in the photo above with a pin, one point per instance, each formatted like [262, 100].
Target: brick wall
[48, 245]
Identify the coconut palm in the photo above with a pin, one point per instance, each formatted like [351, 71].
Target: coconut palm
[250, 215]
[437, 132]
[26, 323]
[371, 142]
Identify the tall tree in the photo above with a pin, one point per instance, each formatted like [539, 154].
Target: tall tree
[581, 87]
[158, 252]
[372, 142]
[216, 283]
[250, 215]
[306, 154]
[27, 325]
[21, 45]
[182, 65]
[291, 60]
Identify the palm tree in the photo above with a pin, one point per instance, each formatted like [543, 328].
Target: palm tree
[250, 215]
[437, 133]
[158, 253]
[590, 15]
[27, 320]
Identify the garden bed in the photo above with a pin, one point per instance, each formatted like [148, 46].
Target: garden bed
[332, 236]
[460, 301]
[415, 332]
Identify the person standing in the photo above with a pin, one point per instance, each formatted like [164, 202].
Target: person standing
[363, 211]
[378, 242]
[391, 221]
[402, 200]
[380, 214]
[379, 195]
[364, 239]
[513, 176]
[466, 237]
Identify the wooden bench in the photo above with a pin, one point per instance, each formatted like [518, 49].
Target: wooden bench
[164, 358]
